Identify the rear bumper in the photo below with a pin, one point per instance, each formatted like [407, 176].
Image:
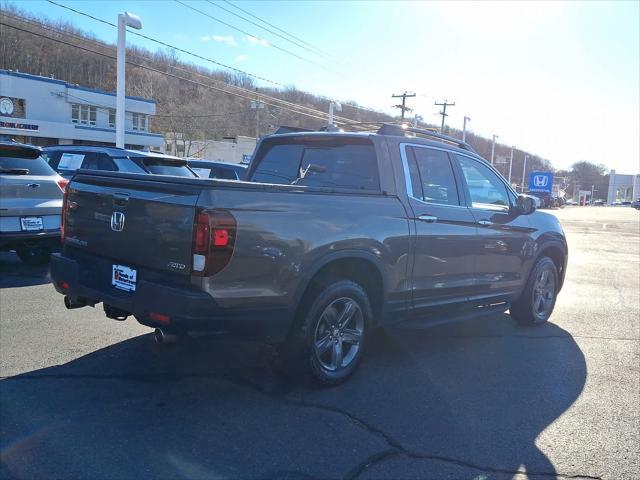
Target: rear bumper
[11, 239]
[189, 309]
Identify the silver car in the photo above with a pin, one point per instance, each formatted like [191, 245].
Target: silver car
[30, 203]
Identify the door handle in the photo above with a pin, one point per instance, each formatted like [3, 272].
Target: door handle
[485, 223]
[428, 218]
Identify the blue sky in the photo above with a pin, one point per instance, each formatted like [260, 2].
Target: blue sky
[561, 80]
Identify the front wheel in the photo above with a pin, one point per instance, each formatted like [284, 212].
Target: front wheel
[535, 305]
[333, 331]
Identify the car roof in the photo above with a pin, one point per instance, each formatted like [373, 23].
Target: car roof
[112, 151]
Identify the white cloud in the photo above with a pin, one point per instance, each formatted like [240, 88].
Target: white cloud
[242, 58]
[256, 40]
[226, 39]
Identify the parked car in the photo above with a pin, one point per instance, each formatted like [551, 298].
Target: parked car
[636, 204]
[215, 169]
[67, 159]
[30, 203]
[330, 235]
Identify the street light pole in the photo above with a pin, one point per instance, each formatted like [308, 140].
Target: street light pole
[510, 163]
[524, 169]
[464, 128]
[125, 20]
[493, 147]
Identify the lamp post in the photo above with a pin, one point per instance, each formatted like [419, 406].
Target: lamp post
[464, 128]
[125, 20]
[524, 169]
[493, 147]
[510, 163]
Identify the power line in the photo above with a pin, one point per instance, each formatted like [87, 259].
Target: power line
[160, 42]
[273, 26]
[403, 108]
[265, 29]
[244, 32]
[146, 67]
[164, 44]
[444, 112]
[261, 96]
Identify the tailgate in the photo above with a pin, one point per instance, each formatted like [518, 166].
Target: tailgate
[134, 220]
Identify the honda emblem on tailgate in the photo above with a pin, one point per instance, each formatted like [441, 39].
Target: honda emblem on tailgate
[117, 221]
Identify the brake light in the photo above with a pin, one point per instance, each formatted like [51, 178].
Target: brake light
[62, 183]
[214, 233]
[63, 215]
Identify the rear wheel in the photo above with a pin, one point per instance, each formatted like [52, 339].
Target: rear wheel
[333, 331]
[538, 299]
[34, 255]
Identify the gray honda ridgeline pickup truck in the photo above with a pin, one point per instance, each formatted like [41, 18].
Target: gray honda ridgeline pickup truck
[330, 235]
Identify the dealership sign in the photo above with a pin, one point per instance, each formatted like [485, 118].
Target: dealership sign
[19, 126]
[540, 182]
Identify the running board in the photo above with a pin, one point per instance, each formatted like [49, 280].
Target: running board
[475, 313]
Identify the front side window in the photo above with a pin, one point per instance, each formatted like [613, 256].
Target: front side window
[486, 190]
[344, 163]
[432, 176]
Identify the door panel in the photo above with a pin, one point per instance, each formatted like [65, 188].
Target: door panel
[445, 232]
[503, 242]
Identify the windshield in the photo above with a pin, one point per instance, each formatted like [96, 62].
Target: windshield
[161, 166]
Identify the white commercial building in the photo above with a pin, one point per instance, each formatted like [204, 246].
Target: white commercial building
[623, 188]
[237, 149]
[45, 111]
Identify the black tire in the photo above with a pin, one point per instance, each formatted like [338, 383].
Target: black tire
[34, 255]
[535, 305]
[331, 352]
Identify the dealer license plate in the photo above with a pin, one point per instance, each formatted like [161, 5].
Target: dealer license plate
[30, 224]
[124, 278]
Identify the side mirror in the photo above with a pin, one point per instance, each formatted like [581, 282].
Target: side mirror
[525, 204]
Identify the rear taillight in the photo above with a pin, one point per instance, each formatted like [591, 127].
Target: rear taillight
[214, 235]
[63, 214]
[62, 183]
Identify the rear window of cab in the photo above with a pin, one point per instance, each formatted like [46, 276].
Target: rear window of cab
[319, 162]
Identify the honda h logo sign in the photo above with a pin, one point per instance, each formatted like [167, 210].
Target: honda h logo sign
[540, 182]
[117, 221]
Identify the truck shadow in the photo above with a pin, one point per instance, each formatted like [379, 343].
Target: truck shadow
[452, 402]
[14, 273]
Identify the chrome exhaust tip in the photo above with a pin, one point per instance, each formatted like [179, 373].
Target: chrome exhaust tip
[70, 304]
[163, 338]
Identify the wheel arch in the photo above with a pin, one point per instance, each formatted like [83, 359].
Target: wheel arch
[558, 254]
[361, 267]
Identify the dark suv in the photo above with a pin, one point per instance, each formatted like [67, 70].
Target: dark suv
[66, 159]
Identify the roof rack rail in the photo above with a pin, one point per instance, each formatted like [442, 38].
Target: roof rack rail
[402, 130]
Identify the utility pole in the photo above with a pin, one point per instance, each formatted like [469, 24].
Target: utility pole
[444, 111]
[510, 163]
[403, 108]
[125, 20]
[493, 147]
[524, 170]
[464, 128]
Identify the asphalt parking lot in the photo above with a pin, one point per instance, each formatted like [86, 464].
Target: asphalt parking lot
[82, 396]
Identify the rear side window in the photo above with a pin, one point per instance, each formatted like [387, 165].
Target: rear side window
[432, 176]
[24, 166]
[99, 161]
[346, 163]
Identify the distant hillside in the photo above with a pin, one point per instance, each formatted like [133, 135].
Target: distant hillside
[193, 105]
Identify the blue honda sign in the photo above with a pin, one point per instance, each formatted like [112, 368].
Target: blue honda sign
[540, 182]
